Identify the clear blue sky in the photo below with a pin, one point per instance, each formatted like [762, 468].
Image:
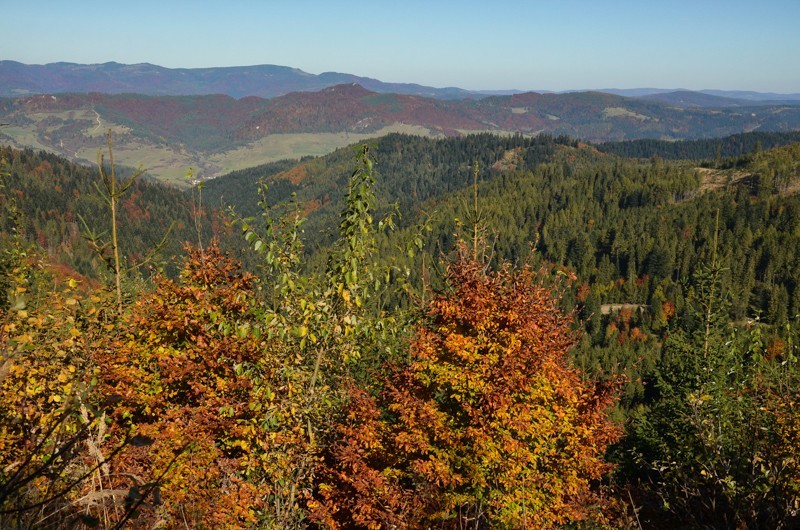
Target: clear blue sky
[495, 44]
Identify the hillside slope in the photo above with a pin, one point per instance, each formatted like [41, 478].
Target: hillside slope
[218, 134]
[48, 198]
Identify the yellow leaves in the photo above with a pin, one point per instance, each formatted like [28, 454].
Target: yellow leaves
[242, 444]
[696, 400]
[34, 388]
[12, 369]
[24, 338]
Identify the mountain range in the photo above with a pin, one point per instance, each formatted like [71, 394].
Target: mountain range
[221, 126]
[268, 80]
[265, 81]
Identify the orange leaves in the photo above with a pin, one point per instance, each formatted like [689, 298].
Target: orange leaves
[487, 417]
[178, 369]
[360, 487]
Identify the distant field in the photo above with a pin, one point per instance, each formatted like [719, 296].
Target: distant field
[281, 146]
[160, 162]
[499, 132]
[169, 163]
[620, 112]
[23, 137]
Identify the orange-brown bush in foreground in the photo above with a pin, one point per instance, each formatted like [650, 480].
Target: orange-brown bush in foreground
[487, 423]
[173, 370]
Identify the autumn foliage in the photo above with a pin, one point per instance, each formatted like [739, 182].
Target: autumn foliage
[313, 395]
[46, 412]
[173, 371]
[486, 424]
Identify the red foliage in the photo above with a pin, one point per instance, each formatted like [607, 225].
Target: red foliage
[776, 348]
[669, 309]
[583, 292]
[487, 422]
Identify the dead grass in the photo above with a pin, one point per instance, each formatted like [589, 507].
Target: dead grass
[620, 112]
[716, 179]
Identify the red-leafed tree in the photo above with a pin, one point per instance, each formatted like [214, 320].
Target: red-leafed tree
[487, 424]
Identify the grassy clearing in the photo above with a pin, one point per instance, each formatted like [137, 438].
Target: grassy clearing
[162, 163]
[620, 112]
[608, 309]
[716, 179]
[22, 137]
[281, 146]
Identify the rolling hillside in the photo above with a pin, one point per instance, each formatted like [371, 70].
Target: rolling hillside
[218, 134]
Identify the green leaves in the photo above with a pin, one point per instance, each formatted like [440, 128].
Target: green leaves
[710, 441]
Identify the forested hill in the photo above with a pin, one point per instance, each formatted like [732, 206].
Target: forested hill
[412, 169]
[218, 133]
[711, 150]
[633, 230]
[636, 235]
[415, 172]
[48, 198]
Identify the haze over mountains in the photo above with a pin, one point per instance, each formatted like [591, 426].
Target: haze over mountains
[266, 81]
[222, 119]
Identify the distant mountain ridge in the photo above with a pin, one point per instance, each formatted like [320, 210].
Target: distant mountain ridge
[741, 97]
[265, 81]
[268, 81]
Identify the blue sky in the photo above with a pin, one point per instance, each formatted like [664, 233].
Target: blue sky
[499, 44]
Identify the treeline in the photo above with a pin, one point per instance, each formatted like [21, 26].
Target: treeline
[412, 170]
[710, 149]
